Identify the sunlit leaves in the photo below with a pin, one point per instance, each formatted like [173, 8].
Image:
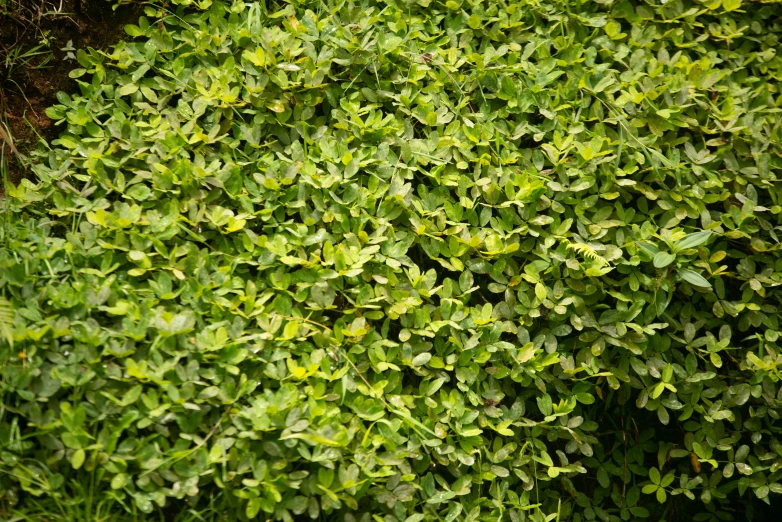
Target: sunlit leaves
[420, 262]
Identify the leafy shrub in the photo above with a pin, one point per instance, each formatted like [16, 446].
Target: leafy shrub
[407, 260]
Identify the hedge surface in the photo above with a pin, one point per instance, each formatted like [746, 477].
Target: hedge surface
[406, 261]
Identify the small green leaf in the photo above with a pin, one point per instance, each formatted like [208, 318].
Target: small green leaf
[128, 89]
[662, 415]
[731, 5]
[139, 192]
[253, 507]
[648, 248]
[663, 259]
[602, 477]
[587, 153]
[526, 353]
[119, 481]
[133, 30]
[77, 459]
[691, 241]
[421, 359]
[694, 278]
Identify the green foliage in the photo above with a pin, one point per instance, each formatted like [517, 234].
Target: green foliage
[407, 261]
[6, 321]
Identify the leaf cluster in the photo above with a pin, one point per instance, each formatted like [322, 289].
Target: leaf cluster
[407, 261]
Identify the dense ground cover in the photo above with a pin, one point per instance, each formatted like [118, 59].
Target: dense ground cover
[403, 261]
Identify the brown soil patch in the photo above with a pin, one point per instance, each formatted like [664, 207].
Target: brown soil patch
[34, 65]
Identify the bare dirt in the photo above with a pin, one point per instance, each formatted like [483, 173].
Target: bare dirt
[29, 83]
